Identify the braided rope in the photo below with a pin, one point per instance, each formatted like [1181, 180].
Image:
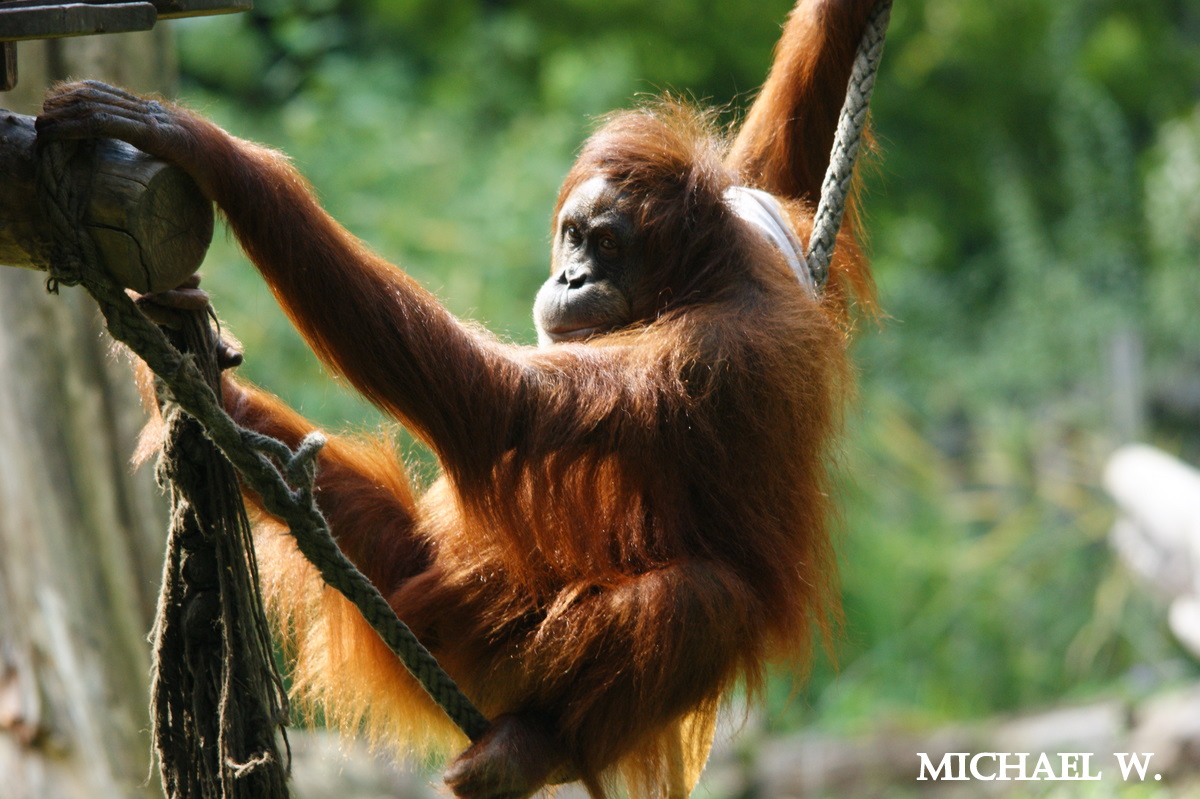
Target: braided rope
[835, 189]
[252, 454]
[64, 208]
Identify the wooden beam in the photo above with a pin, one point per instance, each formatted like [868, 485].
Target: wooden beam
[20, 21]
[149, 220]
[174, 9]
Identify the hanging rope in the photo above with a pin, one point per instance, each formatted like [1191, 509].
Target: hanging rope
[835, 189]
[216, 695]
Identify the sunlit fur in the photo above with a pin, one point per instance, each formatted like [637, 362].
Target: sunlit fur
[625, 527]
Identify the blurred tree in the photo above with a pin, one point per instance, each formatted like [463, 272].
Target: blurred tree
[80, 537]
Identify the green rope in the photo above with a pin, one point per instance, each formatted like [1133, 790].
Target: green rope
[254, 456]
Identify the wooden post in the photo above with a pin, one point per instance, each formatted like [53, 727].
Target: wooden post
[81, 536]
[148, 218]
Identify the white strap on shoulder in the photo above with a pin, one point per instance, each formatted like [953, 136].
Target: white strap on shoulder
[763, 212]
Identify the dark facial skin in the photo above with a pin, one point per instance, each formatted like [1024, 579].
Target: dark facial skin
[597, 260]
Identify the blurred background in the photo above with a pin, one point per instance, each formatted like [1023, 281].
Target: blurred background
[1033, 216]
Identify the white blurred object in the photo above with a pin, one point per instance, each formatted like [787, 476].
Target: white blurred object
[1158, 533]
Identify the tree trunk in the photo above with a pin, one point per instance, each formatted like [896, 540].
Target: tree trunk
[80, 536]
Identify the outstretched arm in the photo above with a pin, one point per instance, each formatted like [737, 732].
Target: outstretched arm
[373, 323]
[784, 144]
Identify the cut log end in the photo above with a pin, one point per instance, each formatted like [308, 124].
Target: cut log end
[150, 223]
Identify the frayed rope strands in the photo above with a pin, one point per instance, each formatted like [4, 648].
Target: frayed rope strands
[835, 188]
[266, 465]
[217, 698]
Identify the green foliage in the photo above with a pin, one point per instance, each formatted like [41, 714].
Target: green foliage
[1037, 199]
[1032, 213]
[978, 584]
